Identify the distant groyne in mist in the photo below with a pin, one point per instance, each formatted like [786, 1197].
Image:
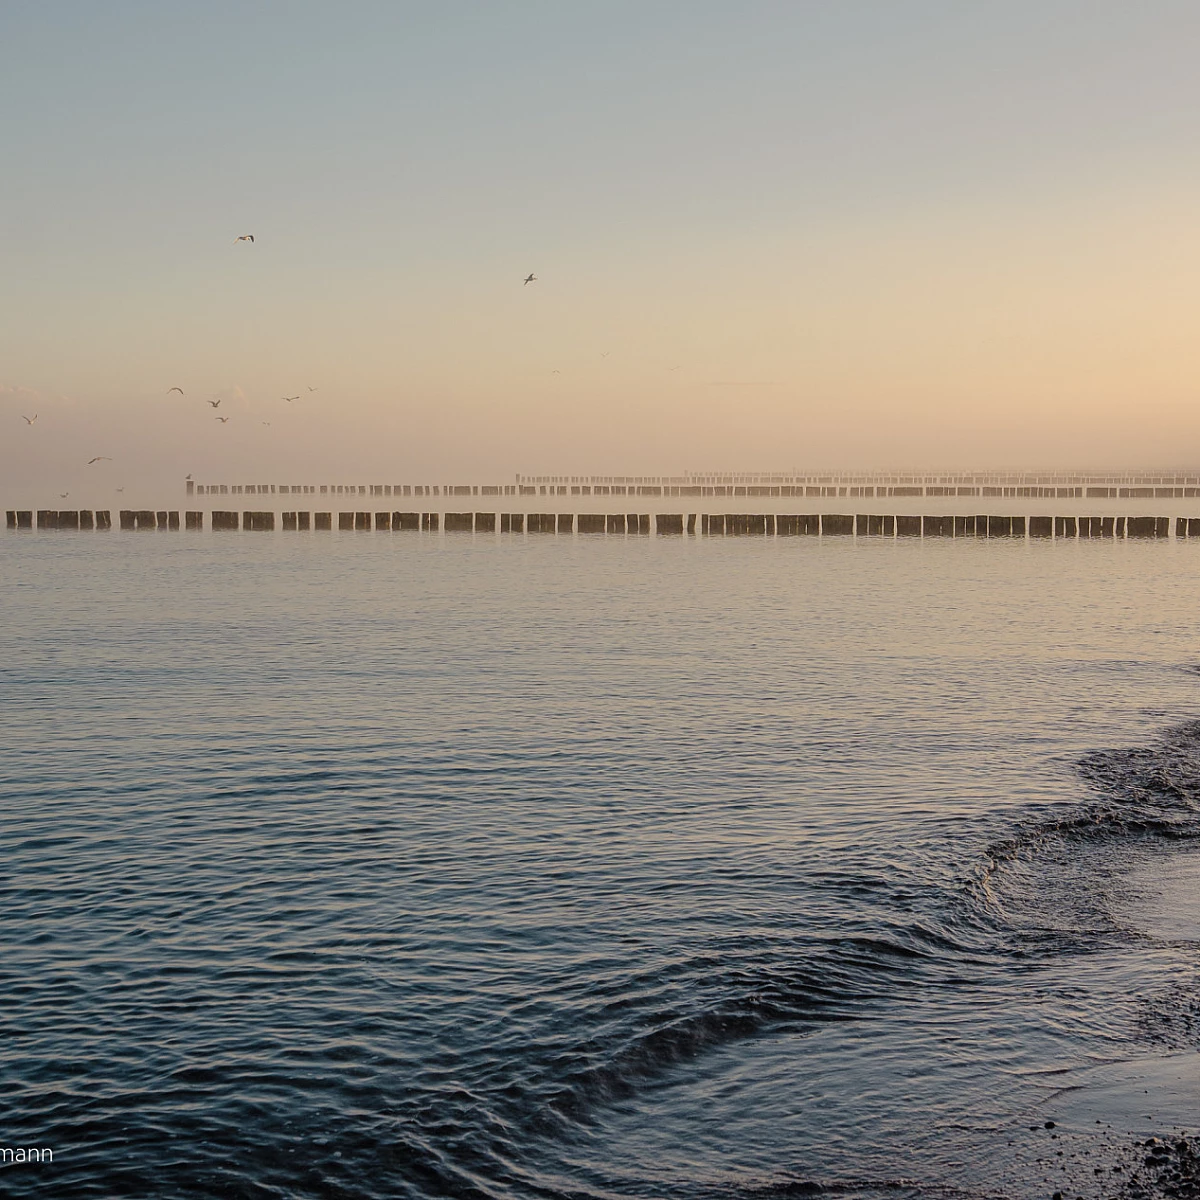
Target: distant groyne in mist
[871, 485]
[764, 525]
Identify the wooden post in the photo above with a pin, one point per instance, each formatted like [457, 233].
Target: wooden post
[908, 526]
[1041, 527]
[668, 524]
[303, 520]
[615, 523]
[323, 522]
[194, 520]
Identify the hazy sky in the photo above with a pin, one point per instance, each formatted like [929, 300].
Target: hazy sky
[766, 235]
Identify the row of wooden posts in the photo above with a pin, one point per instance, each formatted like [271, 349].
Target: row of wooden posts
[726, 524]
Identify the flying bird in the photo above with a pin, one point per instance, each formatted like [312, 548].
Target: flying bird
[120, 489]
[266, 422]
[312, 389]
[63, 495]
[186, 478]
[674, 368]
[246, 237]
[605, 353]
[215, 403]
[99, 458]
[170, 390]
[556, 371]
[289, 399]
[222, 419]
[29, 420]
[530, 278]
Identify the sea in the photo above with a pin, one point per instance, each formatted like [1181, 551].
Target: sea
[584, 868]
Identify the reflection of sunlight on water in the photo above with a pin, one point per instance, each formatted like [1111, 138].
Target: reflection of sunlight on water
[1168, 904]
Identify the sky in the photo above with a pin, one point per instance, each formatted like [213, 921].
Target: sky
[905, 233]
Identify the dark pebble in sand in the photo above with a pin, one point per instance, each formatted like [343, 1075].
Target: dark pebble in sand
[1048, 1125]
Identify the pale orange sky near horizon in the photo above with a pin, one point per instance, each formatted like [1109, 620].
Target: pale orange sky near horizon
[782, 236]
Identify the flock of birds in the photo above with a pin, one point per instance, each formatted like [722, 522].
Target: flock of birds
[224, 420]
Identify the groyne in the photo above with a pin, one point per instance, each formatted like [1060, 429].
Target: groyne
[823, 525]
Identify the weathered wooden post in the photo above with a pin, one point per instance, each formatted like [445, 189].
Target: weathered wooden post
[430, 522]
[836, 524]
[362, 522]
[668, 524]
[47, 518]
[964, 527]
[485, 522]
[303, 520]
[24, 518]
[103, 518]
[87, 519]
[220, 521]
[691, 525]
[345, 522]
[459, 522]
[908, 526]
[592, 522]
[1041, 527]
[566, 522]
[383, 520]
[1065, 527]
[289, 522]
[68, 520]
[10, 518]
[323, 522]
[193, 520]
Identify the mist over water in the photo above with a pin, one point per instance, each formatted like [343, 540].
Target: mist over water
[419, 866]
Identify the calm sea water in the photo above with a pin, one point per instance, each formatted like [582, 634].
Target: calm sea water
[407, 866]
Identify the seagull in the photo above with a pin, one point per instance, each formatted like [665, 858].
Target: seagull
[246, 237]
[170, 390]
[63, 495]
[312, 389]
[289, 399]
[605, 353]
[120, 489]
[215, 403]
[556, 371]
[674, 368]
[222, 419]
[29, 420]
[530, 278]
[186, 478]
[103, 458]
[266, 422]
